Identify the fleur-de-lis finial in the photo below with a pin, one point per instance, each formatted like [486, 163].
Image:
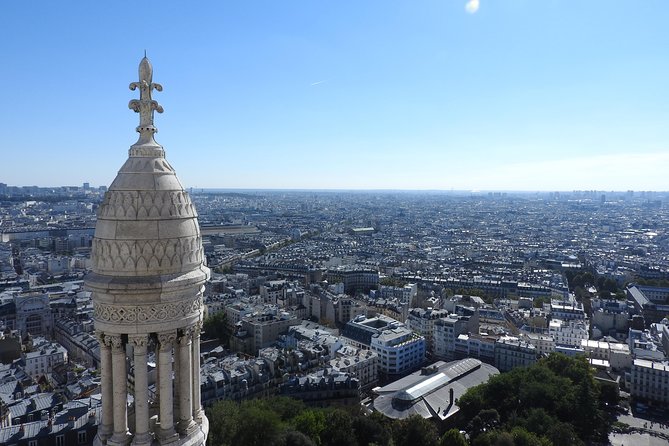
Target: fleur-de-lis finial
[145, 105]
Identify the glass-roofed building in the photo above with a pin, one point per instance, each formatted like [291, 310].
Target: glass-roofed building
[433, 391]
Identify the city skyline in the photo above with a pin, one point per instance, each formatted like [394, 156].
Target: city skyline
[443, 95]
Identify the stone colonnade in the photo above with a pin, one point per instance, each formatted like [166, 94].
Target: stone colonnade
[184, 346]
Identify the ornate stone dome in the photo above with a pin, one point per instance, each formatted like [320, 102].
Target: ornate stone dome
[147, 224]
[147, 256]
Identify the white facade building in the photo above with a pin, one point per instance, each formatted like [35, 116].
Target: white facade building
[44, 359]
[446, 331]
[617, 354]
[511, 352]
[33, 314]
[544, 344]
[567, 312]
[400, 350]
[650, 381]
[422, 322]
[476, 346]
[568, 333]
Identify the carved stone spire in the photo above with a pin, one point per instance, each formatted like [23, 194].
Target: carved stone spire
[147, 281]
[145, 105]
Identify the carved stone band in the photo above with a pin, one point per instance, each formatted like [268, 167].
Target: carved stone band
[147, 204]
[146, 255]
[146, 313]
[144, 151]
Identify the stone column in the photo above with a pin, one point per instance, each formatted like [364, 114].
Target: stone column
[166, 416]
[142, 434]
[107, 425]
[195, 363]
[176, 364]
[120, 392]
[185, 381]
[156, 399]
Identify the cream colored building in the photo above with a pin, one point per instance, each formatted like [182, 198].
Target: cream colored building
[147, 282]
[568, 333]
[650, 381]
[544, 344]
[617, 354]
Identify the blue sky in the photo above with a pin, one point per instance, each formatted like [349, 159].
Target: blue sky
[359, 94]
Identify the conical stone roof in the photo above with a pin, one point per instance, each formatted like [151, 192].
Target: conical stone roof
[148, 262]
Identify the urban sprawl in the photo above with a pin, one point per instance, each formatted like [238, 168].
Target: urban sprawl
[352, 298]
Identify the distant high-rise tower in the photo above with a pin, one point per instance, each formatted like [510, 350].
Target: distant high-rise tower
[147, 283]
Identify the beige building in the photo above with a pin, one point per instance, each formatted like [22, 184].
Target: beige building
[422, 321]
[544, 344]
[617, 354]
[260, 331]
[361, 363]
[147, 283]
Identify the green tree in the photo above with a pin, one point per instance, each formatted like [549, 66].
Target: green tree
[586, 410]
[392, 281]
[259, 426]
[556, 398]
[537, 421]
[453, 437]
[338, 429]
[295, 438]
[371, 429]
[216, 327]
[311, 423]
[251, 423]
[413, 431]
[539, 302]
[223, 423]
[286, 408]
[494, 438]
[608, 394]
[562, 434]
[522, 437]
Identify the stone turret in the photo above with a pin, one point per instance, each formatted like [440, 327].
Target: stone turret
[147, 283]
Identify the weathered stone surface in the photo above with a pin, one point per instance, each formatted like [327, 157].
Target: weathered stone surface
[147, 283]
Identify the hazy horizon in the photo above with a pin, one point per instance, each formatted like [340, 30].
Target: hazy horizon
[193, 189]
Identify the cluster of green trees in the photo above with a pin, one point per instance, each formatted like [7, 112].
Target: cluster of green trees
[579, 280]
[281, 421]
[653, 282]
[538, 302]
[554, 402]
[216, 327]
[487, 298]
[392, 281]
